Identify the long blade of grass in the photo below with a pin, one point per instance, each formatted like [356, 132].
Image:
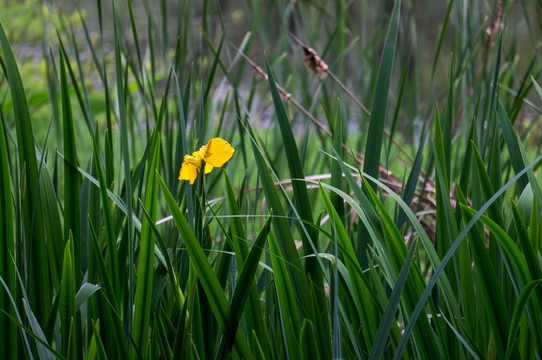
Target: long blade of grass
[448, 121]
[362, 294]
[125, 155]
[282, 229]
[109, 312]
[489, 286]
[67, 300]
[83, 104]
[302, 205]
[215, 295]
[8, 330]
[145, 271]
[386, 323]
[288, 314]
[519, 309]
[72, 216]
[380, 97]
[512, 144]
[308, 343]
[244, 286]
[410, 187]
[336, 172]
[455, 245]
[492, 123]
[296, 172]
[441, 36]
[396, 254]
[84, 293]
[108, 219]
[531, 256]
[38, 281]
[253, 314]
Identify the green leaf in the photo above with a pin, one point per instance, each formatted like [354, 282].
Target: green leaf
[441, 36]
[84, 293]
[361, 291]
[253, 314]
[125, 155]
[386, 323]
[531, 256]
[8, 330]
[512, 144]
[288, 314]
[215, 295]
[537, 87]
[245, 284]
[336, 172]
[72, 215]
[43, 351]
[282, 230]
[309, 344]
[410, 187]
[380, 97]
[67, 300]
[494, 303]
[145, 270]
[448, 121]
[454, 246]
[38, 280]
[309, 235]
[110, 233]
[519, 309]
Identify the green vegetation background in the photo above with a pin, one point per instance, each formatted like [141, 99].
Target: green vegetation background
[383, 200]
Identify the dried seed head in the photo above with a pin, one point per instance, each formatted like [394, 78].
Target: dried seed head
[314, 63]
[496, 24]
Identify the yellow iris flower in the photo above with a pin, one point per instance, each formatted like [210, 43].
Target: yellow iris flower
[214, 154]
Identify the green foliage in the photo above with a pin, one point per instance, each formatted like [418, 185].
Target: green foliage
[291, 250]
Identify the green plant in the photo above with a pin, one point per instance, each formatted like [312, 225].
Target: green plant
[291, 249]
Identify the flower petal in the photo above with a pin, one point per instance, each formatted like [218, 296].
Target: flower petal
[188, 172]
[208, 168]
[218, 151]
[200, 154]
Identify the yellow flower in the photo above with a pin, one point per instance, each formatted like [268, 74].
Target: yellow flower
[214, 154]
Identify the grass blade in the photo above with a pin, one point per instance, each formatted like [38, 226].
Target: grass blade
[519, 309]
[282, 230]
[145, 271]
[38, 281]
[487, 279]
[72, 216]
[362, 294]
[302, 206]
[8, 330]
[455, 245]
[209, 281]
[380, 97]
[67, 301]
[289, 316]
[386, 323]
[309, 345]
[125, 155]
[84, 293]
[441, 36]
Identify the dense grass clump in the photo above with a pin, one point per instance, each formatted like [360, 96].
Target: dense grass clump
[375, 187]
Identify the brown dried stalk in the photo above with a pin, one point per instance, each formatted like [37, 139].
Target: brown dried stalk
[285, 95]
[424, 198]
[320, 68]
[496, 24]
